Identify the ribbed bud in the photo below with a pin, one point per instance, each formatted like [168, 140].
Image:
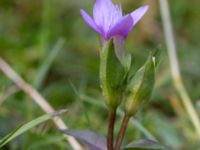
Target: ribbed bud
[140, 86]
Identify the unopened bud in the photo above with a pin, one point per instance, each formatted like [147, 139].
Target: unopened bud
[140, 86]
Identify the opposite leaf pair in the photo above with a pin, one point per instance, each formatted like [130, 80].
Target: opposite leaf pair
[97, 142]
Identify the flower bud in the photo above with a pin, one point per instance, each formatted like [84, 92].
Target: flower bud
[140, 86]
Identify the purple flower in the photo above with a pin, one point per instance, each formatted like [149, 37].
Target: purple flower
[109, 21]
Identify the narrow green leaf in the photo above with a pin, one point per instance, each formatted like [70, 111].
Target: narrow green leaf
[144, 144]
[112, 75]
[23, 128]
[47, 23]
[43, 70]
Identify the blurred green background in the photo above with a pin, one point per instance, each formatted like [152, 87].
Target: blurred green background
[50, 46]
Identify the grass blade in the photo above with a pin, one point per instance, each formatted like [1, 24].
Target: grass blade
[23, 128]
[44, 68]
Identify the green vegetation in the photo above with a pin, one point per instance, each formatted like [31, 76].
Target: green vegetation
[50, 46]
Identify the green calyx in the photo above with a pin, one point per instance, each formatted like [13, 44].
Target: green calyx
[140, 86]
[112, 75]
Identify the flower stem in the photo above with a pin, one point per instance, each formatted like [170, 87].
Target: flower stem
[122, 132]
[112, 116]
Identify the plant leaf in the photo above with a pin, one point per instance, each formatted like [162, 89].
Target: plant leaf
[93, 140]
[144, 144]
[112, 75]
[23, 128]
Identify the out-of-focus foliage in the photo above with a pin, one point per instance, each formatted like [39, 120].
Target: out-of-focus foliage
[29, 31]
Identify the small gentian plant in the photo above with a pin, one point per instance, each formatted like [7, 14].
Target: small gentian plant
[117, 83]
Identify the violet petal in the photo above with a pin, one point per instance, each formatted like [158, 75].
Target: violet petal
[106, 14]
[89, 21]
[122, 28]
[139, 13]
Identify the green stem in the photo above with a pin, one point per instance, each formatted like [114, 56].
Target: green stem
[112, 116]
[122, 132]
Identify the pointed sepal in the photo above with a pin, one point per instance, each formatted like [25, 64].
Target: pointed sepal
[112, 75]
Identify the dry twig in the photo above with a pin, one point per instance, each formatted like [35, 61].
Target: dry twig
[12, 75]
